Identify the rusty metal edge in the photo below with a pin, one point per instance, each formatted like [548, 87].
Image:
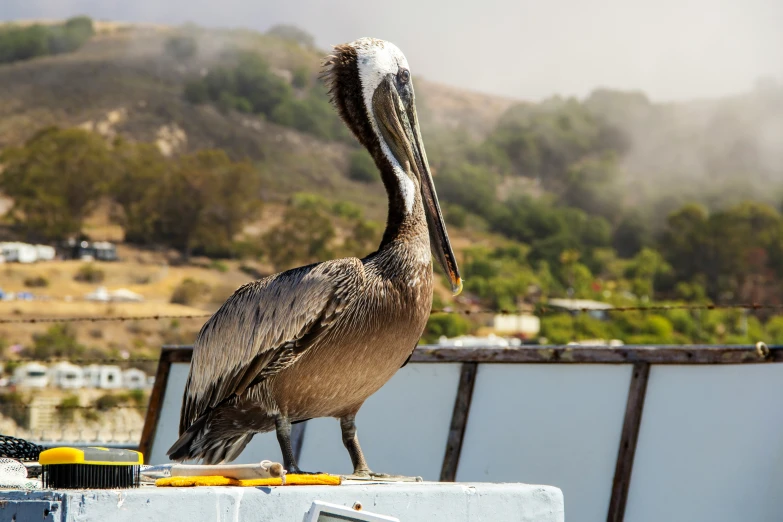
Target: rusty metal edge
[459, 421]
[168, 355]
[574, 354]
[629, 435]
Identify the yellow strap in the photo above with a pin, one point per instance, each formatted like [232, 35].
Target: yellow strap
[290, 480]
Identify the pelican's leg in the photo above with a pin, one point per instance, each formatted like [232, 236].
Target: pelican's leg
[283, 429]
[351, 442]
[360, 468]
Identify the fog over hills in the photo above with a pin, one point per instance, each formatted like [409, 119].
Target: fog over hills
[528, 50]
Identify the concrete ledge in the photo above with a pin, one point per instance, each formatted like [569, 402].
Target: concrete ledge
[410, 502]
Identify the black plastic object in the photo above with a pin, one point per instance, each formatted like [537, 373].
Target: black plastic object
[19, 449]
[90, 476]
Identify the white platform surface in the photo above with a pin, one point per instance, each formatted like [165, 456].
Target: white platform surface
[410, 502]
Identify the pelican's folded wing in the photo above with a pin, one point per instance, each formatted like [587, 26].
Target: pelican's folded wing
[264, 327]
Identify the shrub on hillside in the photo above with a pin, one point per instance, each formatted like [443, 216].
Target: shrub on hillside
[362, 167]
[218, 265]
[108, 401]
[13, 406]
[23, 43]
[36, 282]
[189, 291]
[89, 274]
[56, 179]
[181, 47]
[67, 408]
[58, 341]
[300, 78]
[450, 325]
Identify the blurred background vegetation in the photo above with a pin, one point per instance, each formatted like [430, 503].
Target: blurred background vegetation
[222, 145]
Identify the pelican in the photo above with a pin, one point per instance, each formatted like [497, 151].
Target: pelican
[318, 340]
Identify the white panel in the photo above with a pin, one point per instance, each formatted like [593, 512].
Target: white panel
[168, 421]
[710, 446]
[402, 429]
[556, 424]
[263, 446]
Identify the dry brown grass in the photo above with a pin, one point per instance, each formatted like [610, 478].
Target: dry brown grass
[154, 281]
[56, 309]
[140, 271]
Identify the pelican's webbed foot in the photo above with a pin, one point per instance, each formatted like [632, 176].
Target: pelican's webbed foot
[361, 471]
[385, 477]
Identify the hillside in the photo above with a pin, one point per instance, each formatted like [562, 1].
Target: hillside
[614, 197]
[135, 90]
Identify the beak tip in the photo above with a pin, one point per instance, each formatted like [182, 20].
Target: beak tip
[456, 288]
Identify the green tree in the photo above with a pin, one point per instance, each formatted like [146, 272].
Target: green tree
[593, 185]
[543, 140]
[300, 78]
[256, 82]
[643, 269]
[364, 238]
[631, 234]
[448, 325]
[136, 189]
[181, 47]
[736, 252]
[23, 43]
[234, 200]
[302, 238]
[58, 341]
[204, 199]
[55, 180]
[470, 186]
[774, 329]
[313, 115]
[362, 168]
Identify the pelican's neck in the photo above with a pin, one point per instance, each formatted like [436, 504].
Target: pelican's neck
[406, 220]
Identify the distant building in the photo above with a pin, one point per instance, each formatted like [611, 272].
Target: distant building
[43, 414]
[66, 375]
[491, 340]
[91, 251]
[16, 252]
[119, 295]
[103, 376]
[100, 294]
[45, 252]
[594, 309]
[104, 251]
[31, 375]
[134, 379]
[597, 342]
[526, 325]
[125, 295]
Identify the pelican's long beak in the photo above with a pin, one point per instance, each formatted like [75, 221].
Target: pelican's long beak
[399, 125]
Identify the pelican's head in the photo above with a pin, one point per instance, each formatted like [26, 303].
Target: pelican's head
[371, 85]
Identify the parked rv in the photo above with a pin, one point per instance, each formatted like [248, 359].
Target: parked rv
[66, 375]
[31, 375]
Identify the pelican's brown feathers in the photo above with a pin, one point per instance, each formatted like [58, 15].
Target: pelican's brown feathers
[317, 341]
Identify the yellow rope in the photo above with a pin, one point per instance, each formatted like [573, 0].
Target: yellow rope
[290, 480]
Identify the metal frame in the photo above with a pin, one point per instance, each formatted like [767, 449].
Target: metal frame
[641, 357]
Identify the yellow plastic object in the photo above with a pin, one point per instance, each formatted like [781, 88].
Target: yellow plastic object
[290, 480]
[93, 456]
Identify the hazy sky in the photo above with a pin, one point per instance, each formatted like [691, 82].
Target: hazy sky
[671, 49]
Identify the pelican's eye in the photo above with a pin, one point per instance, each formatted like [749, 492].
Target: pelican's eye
[404, 75]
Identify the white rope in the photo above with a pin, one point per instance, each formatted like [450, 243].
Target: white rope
[13, 475]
